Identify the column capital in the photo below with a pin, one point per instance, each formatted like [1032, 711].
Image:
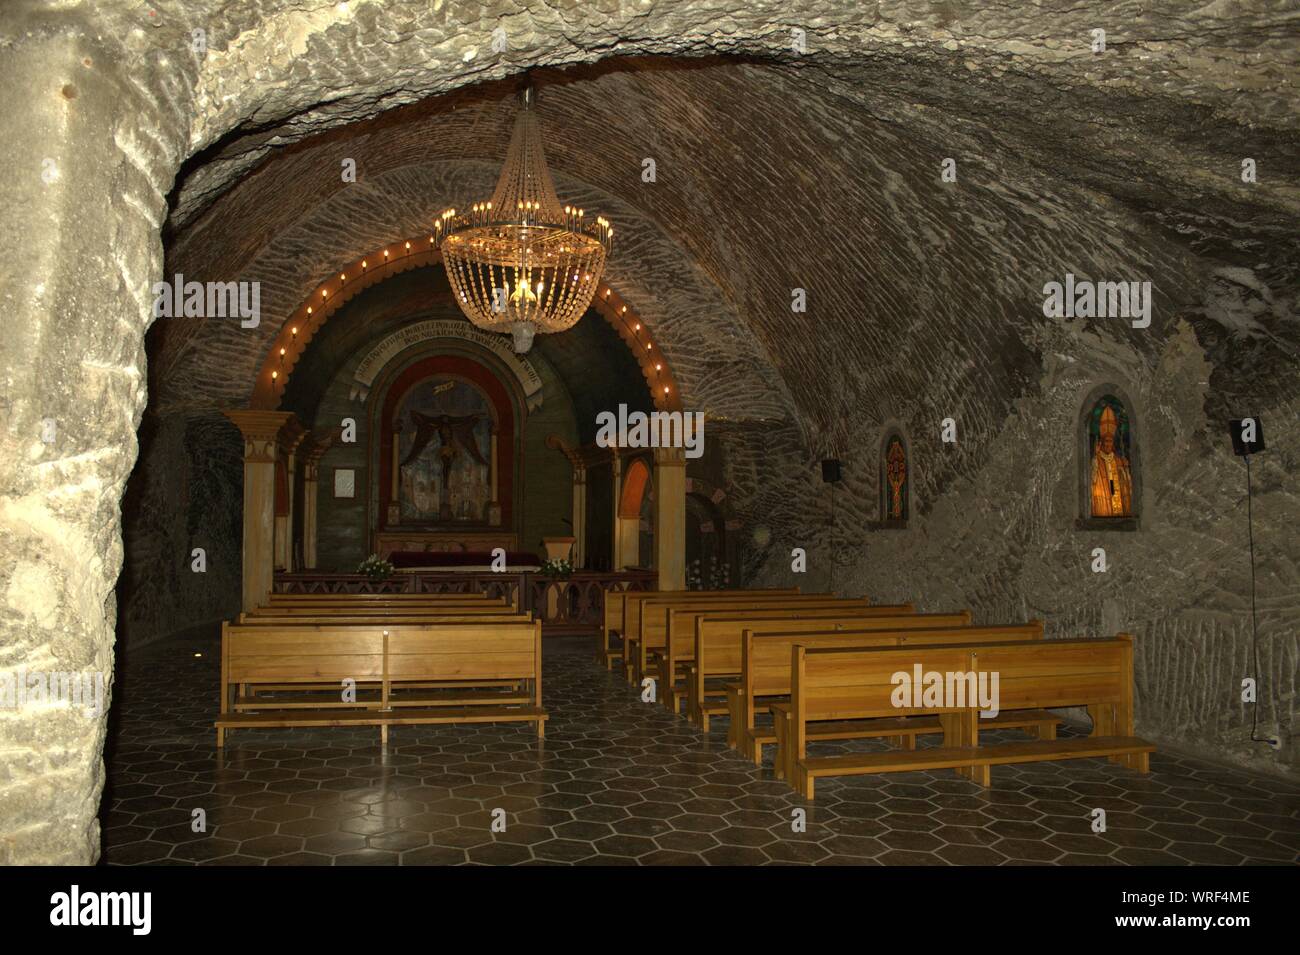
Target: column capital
[261, 431]
[670, 457]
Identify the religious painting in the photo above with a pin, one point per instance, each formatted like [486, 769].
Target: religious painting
[443, 430]
[1110, 473]
[895, 475]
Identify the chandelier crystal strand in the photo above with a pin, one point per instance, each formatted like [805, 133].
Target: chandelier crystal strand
[549, 257]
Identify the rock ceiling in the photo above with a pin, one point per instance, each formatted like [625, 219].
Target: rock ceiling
[775, 171]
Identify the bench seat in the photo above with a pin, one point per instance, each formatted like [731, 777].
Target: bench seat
[942, 757]
[282, 719]
[371, 699]
[903, 730]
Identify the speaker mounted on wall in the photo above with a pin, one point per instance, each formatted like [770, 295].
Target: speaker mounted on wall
[831, 470]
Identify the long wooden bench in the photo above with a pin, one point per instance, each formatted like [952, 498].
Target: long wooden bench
[668, 663]
[615, 606]
[382, 620]
[621, 615]
[902, 732]
[682, 639]
[457, 659]
[835, 683]
[718, 658]
[765, 674]
[651, 629]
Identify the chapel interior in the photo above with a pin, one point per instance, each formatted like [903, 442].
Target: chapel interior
[307, 450]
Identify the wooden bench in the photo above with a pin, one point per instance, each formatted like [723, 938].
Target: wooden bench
[851, 683]
[457, 661]
[718, 658]
[668, 663]
[651, 629]
[765, 674]
[621, 615]
[615, 606]
[677, 655]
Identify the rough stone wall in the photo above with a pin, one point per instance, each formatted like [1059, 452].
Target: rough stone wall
[186, 492]
[996, 533]
[117, 103]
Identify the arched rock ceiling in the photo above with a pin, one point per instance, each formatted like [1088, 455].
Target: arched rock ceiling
[817, 171]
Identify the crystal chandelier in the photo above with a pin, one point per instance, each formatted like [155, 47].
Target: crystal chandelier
[521, 263]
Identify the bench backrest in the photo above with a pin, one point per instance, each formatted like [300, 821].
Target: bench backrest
[717, 647]
[832, 683]
[765, 656]
[630, 622]
[382, 620]
[652, 628]
[471, 650]
[683, 623]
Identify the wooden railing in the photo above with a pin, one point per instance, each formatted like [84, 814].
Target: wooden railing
[573, 605]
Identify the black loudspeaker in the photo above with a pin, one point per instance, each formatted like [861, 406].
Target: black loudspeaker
[830, 470]
[1238, 431]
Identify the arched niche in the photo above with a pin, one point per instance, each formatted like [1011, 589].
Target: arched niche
[1109, 482]
[636, 514]
[895, 478]
[412, 370]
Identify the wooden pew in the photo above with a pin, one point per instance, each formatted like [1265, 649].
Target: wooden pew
[669, 663]
[764, 667]
[484, 614]
[651, 630]
[719, 648]
[831, 683]
[901, 732]
[621, 615]
[400, 659]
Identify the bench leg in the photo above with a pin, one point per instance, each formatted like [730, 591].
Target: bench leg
[804, 783]
[961, 729]
[541, 729]
[779, 761]
[221, 737]
[383, 735]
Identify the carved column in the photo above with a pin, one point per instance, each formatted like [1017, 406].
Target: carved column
[291, 436]
[494, 505]
[670, 518]
[261, 433]
[579, 515]
[616, 525]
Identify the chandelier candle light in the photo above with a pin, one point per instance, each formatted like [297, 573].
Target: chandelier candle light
[521, 263]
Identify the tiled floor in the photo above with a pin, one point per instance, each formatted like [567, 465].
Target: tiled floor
[621, 782]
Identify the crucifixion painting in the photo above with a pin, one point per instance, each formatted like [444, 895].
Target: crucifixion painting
[445, 471]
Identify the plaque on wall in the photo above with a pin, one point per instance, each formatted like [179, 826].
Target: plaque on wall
[345, 483]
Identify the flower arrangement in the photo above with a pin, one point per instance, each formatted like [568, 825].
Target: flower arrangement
[558, 568]
[375, 569]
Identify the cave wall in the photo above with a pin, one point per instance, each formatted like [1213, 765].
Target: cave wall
[996, 533]
[186, 493]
